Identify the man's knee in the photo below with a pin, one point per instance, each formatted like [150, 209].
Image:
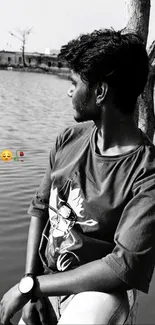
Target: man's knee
[96, 308]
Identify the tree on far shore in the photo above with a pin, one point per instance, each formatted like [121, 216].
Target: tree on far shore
[138, 21]
[22, 35]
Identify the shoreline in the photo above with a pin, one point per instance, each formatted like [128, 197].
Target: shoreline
[61, 72]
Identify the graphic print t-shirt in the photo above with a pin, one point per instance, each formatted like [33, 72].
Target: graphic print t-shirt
[99, 206]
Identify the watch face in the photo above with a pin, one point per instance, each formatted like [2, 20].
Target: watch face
[26, 284]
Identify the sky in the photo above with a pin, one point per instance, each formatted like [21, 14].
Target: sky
[55, 22]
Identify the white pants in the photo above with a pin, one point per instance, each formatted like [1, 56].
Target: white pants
[94, 308]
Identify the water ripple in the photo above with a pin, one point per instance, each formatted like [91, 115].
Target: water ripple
[34, 109]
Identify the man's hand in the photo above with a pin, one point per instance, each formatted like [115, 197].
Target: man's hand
[35, 313]
[11, 302]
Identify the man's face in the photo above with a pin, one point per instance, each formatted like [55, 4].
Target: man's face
[83, 99]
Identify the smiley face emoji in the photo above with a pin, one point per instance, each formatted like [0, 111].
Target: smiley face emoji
[6, 155]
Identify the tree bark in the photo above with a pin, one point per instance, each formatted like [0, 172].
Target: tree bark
[138, 22]
[139, 14]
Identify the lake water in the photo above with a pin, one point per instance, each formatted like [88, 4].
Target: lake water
[34, 108]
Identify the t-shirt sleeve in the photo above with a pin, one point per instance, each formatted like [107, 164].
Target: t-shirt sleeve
[133, 257]
[39, 204]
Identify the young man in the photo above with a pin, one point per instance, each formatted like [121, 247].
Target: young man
[97, 196]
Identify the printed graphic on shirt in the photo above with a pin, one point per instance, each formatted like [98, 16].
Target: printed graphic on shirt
[63, 238]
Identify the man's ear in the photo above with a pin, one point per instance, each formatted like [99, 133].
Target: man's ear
[101, 92]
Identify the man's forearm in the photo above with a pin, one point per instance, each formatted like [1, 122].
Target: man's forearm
[94, 276]
[34, 236]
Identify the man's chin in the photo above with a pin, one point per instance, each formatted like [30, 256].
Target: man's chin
[79, 118]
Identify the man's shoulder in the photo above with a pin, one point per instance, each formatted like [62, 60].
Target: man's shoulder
[76, 132]
[71, 144]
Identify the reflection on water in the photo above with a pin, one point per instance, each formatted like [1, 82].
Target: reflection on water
[34, 108]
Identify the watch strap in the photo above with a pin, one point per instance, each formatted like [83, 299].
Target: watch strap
[30, 274]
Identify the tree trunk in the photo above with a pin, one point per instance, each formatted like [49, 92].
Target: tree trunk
[23, 52]
[146, 119]
[138, 21]
[139, 14]
[23, 56]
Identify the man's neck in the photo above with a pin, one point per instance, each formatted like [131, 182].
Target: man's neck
[117, 135]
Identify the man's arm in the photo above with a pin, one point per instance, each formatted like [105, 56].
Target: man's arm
[33, 265]
[34, 236]
[39, 213]
[93, 276]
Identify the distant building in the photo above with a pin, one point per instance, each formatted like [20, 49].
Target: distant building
[47, 50]
[51, 51]
[14, 59]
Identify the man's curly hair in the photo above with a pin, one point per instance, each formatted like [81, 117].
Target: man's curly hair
[118, 58]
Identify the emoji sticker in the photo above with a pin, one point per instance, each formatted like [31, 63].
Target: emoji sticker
[6, 155]
[21, 154]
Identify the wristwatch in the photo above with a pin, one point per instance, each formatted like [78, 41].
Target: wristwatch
[26, 286]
